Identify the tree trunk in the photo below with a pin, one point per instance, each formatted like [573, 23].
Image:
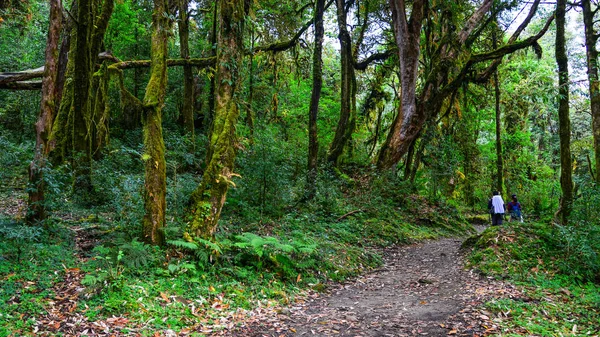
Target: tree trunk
[82, 75]
[437, 85]
[410, 118]
[499, 162]
[274, 97]
[210, 113]
[249, 118]
[564, 131]
[36, 203]
[313, 141]
[74, 128]
[346, 123]
[594, 87]
[154, 146]
[188, 77]
[209, 196]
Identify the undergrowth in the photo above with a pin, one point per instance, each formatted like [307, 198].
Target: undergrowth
[558, 268]
[270, 246]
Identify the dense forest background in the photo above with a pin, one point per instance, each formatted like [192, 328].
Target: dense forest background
[241, 147]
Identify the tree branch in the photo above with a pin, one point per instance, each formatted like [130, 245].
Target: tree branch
[194, 62]
[362, 65]
[16, 80]
[285, 45]
[492, 68]
[510, 48]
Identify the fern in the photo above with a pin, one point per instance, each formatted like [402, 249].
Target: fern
[183, 244]
[136, 254]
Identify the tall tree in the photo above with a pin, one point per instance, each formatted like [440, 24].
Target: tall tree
[564, 120]
[346, 122]
[209, 197]
[448, 66]
[73, 129]
[188, 77]
[499, 162]
[154, 147]
[36, 202]
[591, 38]
[317, 73]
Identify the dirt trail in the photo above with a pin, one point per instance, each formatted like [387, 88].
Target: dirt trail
[422, 289]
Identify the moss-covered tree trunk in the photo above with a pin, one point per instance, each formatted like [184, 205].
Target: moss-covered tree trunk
[188, 77]
[564, 120]
[82, 74]
[74, 129]
[155, 185]
[209, 197]
[313, 140]
[591, 38]
[36, 203]
[345, 127]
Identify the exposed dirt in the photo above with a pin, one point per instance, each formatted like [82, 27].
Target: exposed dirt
[423, 289]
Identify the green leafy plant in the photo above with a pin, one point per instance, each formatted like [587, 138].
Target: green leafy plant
[19, 236]
[109, 271]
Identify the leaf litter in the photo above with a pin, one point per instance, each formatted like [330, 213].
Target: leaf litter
[422, 290]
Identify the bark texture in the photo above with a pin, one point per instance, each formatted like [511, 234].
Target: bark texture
[155, 185]
[313, 141]
[410, 117]
[346, 123]
[566, 168]
[36, 202]
[209, 197]
[74, 127]
[592, 70]
[188, 77]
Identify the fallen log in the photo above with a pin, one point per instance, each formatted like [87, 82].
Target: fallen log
[24, 75]
[24, 85]
[19, 80]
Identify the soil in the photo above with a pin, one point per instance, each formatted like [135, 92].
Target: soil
[422, 290]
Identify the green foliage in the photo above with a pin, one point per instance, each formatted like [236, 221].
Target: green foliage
[18, 237]
[268, 172]
[109, 272]
[26, 284]
[554, 264]
[522, 250]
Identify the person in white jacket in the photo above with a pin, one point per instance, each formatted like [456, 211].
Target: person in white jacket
[497, 209]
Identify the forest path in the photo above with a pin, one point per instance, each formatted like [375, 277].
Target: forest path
[422, 289]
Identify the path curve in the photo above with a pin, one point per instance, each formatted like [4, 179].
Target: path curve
[422, 290]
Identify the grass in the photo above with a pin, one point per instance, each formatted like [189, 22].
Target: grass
[554, 272]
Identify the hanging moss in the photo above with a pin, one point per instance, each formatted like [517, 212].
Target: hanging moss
[101, 111]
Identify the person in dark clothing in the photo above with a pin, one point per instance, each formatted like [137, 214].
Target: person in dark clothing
[496, 206]
[514, 208]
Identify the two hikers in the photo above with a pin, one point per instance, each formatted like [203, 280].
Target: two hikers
[497, 209]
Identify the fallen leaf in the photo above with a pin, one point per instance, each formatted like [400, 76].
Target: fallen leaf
[165, 297]
[452, 332]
